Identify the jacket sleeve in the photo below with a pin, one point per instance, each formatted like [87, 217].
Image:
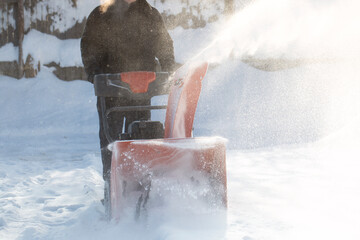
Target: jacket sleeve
[164, 46]
[92, 49]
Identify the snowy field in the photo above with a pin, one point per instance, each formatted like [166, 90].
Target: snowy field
[293, 158]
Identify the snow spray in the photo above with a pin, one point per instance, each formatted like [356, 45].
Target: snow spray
[302, 73]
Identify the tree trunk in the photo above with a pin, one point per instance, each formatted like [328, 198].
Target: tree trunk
[20, 29]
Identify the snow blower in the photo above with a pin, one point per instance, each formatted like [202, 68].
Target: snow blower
[149, 154]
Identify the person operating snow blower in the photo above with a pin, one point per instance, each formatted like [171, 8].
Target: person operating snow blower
[124, 36]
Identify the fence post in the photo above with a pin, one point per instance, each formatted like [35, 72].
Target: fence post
[20, 28]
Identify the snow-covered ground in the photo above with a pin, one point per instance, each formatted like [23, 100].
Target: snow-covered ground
[293, 151]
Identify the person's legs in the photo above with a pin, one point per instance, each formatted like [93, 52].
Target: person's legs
[114, 123]
[115, 126]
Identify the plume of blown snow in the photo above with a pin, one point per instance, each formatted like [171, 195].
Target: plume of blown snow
[289, 29]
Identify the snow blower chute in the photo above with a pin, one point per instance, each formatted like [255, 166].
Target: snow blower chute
[149, 155]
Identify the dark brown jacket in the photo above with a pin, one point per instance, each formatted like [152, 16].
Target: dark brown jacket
[126, 38]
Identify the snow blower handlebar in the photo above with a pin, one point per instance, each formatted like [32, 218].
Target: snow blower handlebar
[132, 86]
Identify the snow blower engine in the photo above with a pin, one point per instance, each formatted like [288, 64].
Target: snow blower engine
[151, 157]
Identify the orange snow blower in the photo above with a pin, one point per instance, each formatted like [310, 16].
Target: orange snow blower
[148, 155]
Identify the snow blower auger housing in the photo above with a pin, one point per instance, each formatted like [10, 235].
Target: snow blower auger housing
[148, 153]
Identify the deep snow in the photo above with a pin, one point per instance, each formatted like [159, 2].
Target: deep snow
[293, 152]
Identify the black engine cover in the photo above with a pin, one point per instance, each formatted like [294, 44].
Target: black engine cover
[146, 130]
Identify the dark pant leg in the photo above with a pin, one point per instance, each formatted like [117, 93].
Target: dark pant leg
[114, 122]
